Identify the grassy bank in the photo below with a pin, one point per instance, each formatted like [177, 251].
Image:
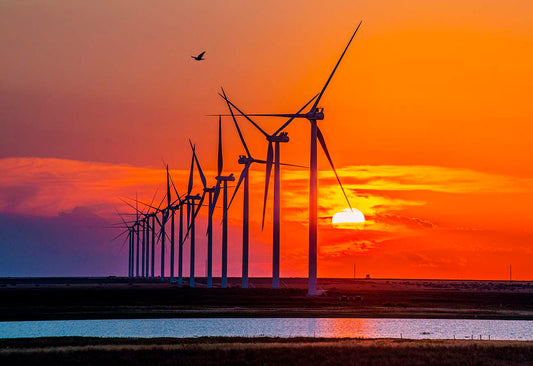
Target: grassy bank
[262, 351]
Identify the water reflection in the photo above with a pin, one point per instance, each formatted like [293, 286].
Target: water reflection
[275, 327]
[350, 328]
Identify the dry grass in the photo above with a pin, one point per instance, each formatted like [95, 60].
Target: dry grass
[262, 351]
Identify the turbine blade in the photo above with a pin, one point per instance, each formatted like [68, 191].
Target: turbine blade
[293, 117]
[245, 116]
[284, 115]
[161, 203]
[153, 199]
[270, 158]
[285, 164]
[220, 160]
[244, 173]
[168, 188]
[119, 235]
[335, 68]
[125, 240]
[236, 125]
[217, 193]
[175, 190]
[202, 176]
[137, 202]
[189, 188]
[122, 218]
[325, 148]
[193, 218]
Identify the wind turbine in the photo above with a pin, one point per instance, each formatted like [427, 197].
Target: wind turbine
[225, 179]
[315, 114]
[143, 243]
[137, 251]
[247, 160]
[222, 182]
[146, 233]
[273, 157]
[211, 206]
[173, 209]
[190, 200]
[129, 238]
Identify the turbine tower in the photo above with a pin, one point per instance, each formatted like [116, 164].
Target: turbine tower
[315, 114]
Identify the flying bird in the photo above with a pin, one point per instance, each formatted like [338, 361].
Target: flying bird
[199, 57]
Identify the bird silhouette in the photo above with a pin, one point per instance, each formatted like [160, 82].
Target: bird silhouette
[199, 57]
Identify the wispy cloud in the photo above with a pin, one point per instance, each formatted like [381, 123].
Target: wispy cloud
[423, 214]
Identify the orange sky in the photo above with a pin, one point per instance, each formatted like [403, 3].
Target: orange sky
[428, 119]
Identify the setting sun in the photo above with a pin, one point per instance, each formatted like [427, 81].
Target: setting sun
[348, 216]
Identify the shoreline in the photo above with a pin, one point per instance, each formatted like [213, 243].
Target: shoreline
[272, 313]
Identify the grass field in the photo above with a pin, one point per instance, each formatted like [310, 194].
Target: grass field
[262, 351]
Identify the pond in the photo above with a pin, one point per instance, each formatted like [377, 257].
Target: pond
[275, 327]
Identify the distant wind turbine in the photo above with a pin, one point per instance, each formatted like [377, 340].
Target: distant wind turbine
[190, 200]
[211, 206]
[221, 178]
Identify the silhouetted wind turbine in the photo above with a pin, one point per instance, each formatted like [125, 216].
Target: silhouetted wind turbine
[137, 251]
[191, 217]
[220, 178]
[154, 217]
[180, 242]
[313, 116]
[173, 209]
[273, 157]
[130, 230]
[245, 160]
[211, 191]
[199, 57]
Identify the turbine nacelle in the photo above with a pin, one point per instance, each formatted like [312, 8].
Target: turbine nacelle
[195, 197]
[228, 178]
[243, 159]
[282, 137]
[317, 114]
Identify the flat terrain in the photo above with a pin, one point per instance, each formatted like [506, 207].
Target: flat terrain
[262, 351]
[101, 298]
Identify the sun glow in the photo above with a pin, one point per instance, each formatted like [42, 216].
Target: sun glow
[348, 216]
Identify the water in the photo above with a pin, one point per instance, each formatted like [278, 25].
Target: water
[275, 327]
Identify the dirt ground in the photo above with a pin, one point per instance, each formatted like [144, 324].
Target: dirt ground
[112, 297]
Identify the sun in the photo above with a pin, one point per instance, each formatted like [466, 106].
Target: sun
[348, 216]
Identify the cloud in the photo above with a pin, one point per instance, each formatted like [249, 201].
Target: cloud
[409, 209]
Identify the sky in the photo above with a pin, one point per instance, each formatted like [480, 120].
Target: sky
[428, 120]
